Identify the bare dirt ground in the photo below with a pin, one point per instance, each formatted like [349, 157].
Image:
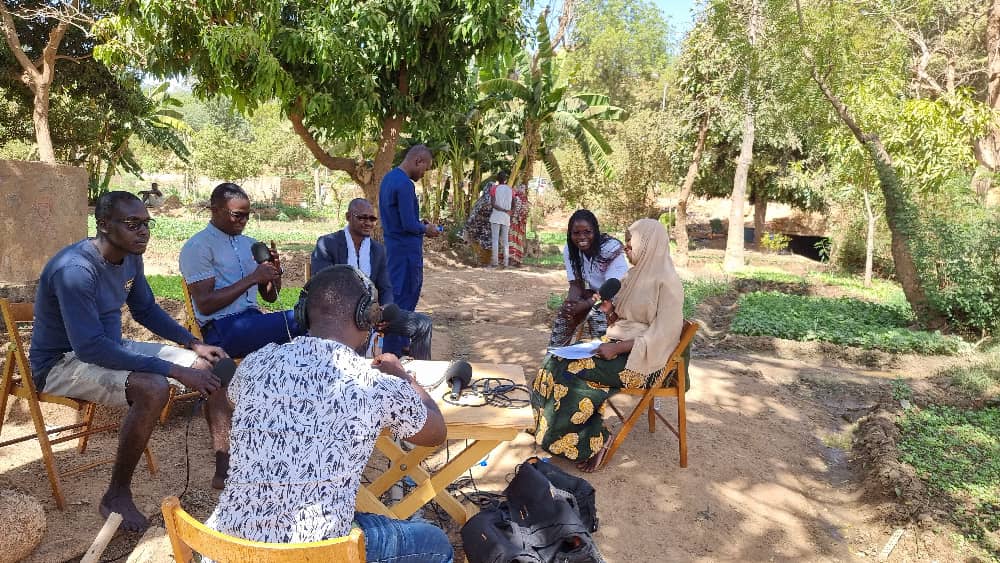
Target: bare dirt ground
[761, 484]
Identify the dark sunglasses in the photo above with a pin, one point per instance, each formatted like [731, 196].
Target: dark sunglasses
[366, 218]
[239, 215]
[135, 224]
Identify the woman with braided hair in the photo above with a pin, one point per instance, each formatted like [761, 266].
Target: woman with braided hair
[591, 258]
[569, 396]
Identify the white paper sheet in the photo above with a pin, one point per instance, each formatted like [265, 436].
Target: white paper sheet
[576, 351]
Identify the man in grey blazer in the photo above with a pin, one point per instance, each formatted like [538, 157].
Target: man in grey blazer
[354, 246]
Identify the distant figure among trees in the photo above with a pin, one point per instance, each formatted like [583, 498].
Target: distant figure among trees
[152, 197]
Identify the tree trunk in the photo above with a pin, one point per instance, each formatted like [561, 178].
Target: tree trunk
[869, 239]
[524, 164]
[40, 118]
[900, 211]
[987, 149]
[38, 77]
[759, 215]
[734, 241]
[680, 230]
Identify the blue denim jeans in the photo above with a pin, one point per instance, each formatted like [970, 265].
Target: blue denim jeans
[250, 331]
[401, 541]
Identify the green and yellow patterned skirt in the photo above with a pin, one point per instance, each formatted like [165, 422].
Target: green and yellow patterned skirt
[569, 397]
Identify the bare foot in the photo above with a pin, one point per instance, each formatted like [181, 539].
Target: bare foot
[132, 519]
[596, 461]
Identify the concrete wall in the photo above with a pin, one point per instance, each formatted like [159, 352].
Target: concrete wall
[43, 207]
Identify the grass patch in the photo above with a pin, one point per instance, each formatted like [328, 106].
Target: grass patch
[550, 259]
[769, 275]
[981, 379]
[844, 321]
[957, 452]
[697, 290]
[179, 229]
[169, 287]
[547, 237]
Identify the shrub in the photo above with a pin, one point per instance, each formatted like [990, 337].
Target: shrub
[844, 321]
[774, 242]
[668, 219]
[716, 224]
[962, 257]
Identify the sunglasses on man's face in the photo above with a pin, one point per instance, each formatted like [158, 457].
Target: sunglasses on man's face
[366, 218]
[238, 215]
[136, 224]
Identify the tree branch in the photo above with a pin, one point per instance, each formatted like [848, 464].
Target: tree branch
[326, 159]
[564, 21]
[920, 66]
[14, 42]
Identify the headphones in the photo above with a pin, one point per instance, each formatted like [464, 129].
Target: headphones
[362, 313]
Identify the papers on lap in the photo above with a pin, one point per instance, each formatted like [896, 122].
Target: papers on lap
[576, 351]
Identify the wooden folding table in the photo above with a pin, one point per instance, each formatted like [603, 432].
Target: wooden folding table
[484, 428]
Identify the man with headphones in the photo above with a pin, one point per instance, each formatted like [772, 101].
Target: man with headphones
[306, 420]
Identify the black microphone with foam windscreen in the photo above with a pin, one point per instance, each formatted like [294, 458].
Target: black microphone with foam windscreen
[459, 376]
[261, 253]
[224, 369]
[607, 292]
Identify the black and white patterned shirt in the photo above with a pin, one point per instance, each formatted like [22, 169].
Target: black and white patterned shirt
[306, 420]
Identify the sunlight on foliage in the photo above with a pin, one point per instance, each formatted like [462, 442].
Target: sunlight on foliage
[957, 452]
[842, 321]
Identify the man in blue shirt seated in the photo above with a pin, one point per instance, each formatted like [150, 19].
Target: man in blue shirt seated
[77, 348]
[354, 246]
[223, 279]
[404, 233]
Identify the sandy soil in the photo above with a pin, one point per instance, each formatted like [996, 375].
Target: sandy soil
[760, 485]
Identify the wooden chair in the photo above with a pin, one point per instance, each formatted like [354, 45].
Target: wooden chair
[17, 382]
[187, 535]
[191, 324]
[675, 361]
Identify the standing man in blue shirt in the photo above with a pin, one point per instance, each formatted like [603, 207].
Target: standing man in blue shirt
[404, 234]
[77, 348]
[224, 279]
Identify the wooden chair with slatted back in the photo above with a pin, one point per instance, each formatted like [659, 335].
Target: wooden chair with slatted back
[678, 389]
[188, 535]
[17, 382]
[191, 324]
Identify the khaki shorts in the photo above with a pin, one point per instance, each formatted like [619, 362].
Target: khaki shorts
[70, 377]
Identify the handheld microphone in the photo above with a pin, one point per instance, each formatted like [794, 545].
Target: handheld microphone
[459, 376]
[389, 313]
[224, 369]
[608, 290]
[261, 253]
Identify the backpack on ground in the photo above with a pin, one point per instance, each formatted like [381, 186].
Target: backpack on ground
[538, 523]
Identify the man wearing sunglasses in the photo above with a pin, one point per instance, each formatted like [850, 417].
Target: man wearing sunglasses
[354, 246]
[223, 278]
[77, 349]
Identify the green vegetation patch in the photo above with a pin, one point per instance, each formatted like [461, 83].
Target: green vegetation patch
[698, 290]
[169, 287]
[844, 321]
[957, 452]
[980, 379]
[178, 229]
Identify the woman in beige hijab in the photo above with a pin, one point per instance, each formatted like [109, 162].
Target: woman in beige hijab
[569, 397]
